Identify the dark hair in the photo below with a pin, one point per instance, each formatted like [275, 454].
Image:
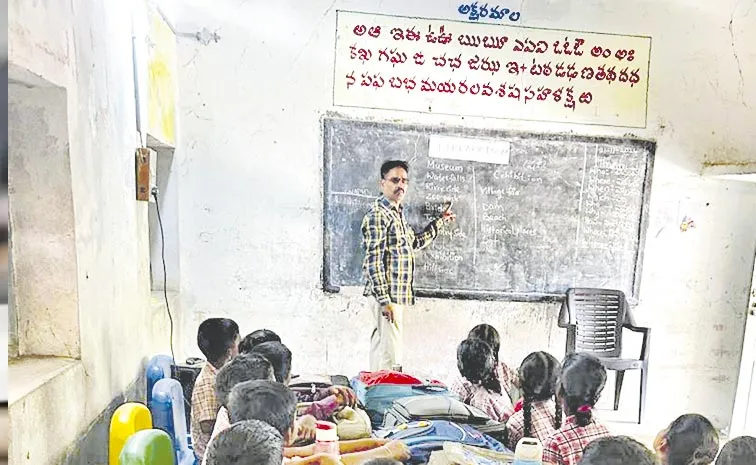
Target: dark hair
[279, 356]
[538, 374]
[617, 450]
[391, 164]
[581, 383]
[476, 363]
[382, 461]
[489, 335]
[243, 367]
[246, 443]
[256, 338]
[263, 400]
[691, 440]
[215, 337]
[739, 451]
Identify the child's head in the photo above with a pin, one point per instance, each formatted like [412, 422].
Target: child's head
[218, 339]
[489, 335]
[537, 377]
[580, 385]
[617, 450]
[382, 461]
[267, 401]
[257, 337]
[476, 363]
[279, 356]
[689, 440]
[243, 367]
[739, 451]
[246, 443]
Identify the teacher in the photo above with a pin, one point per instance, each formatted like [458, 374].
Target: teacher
[389, 264]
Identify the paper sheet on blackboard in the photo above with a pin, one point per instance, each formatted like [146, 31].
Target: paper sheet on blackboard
[464, 148]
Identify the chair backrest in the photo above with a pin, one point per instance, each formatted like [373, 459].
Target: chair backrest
[598, 315]
[126, 420]
[158, 367]
[168, 415]
[148, 447]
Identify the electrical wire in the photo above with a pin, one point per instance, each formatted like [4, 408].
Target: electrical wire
[165, 273]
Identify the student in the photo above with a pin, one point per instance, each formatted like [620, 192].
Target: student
[275, 404]
[250, 442]
[324, 402]
[581, 382]
[540, 416]
[619, 450]
[507, 376]
[243, 367]
[256, 338]
[689, 440]
[218, 339]
[477, 365]
[382, 462]
[739, 451]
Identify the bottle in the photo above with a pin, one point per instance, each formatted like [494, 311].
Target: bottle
[326, 438]
[528, 452]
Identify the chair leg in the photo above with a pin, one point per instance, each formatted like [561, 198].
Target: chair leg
[643, 386]
[618, 388]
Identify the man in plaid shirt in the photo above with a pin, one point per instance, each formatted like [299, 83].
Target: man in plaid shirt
[389, 264]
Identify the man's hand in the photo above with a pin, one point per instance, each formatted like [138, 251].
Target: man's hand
[388, 312]
[345, 396]
[448, 215]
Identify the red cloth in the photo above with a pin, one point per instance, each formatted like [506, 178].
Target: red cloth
[374, 378]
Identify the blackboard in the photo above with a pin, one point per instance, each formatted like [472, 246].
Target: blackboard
[562, 211]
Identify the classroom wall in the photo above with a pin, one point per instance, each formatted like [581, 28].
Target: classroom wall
[85, 48]
[251, 190]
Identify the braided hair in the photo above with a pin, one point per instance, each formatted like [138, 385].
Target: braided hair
[538, 374]
[476, 363]
[580, 386]
[489, 335]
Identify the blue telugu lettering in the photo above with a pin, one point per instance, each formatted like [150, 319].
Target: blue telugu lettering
[473, 12]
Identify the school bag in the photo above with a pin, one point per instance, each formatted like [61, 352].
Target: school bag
[376, 391]
[310, 384]
[425, 407]
[424, 437]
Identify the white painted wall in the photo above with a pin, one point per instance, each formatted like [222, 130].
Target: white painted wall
[85, 47]
[251, 186]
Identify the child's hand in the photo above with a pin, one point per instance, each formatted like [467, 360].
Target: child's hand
[306, 428]
[326, 459]
[398, 450]
[345, 396]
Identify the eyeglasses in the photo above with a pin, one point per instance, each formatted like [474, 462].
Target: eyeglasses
[398, 180]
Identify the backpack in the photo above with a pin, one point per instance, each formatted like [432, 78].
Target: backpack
[424, 437]
[378, 398]
[308, 385]
[429, 407]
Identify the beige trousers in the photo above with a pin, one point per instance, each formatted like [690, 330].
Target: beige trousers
[386, 348]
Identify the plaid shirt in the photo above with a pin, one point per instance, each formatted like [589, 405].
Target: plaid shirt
[389, 244]
[566, 446]
[497, 406]
[205, 407]
[542, 416]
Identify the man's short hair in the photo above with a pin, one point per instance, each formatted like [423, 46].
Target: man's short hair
[279, 356]
[391, 164]
[256, 338]
[617, 450]
[263, 400]
[243, 367]
[246, 443]
[215, 337]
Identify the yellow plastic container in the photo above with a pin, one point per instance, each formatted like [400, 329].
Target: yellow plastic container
[127, 420]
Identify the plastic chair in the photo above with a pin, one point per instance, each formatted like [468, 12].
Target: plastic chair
[594, 319]
[158, 367]
[126, 420]
[168, 415]
[148, 447]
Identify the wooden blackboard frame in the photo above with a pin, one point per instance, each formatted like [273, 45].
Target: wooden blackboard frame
[448, 130]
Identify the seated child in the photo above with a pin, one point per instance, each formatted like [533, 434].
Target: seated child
[619, 450]
[540, 416]
[739, 451]
[218, 339]
[689, 440]
[581, 382]
[243, 367]
[246, 443]
[256, 338]
[275, 404]
[477, 365]
[507, 376]
[324, 401]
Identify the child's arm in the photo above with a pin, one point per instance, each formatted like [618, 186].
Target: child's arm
[319, 459]
[393, 449]
[359, 445]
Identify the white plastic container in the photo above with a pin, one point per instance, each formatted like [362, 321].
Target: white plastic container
[326, 438]
[529, 451]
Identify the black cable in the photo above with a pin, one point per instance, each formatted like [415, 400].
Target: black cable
[165, 273]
